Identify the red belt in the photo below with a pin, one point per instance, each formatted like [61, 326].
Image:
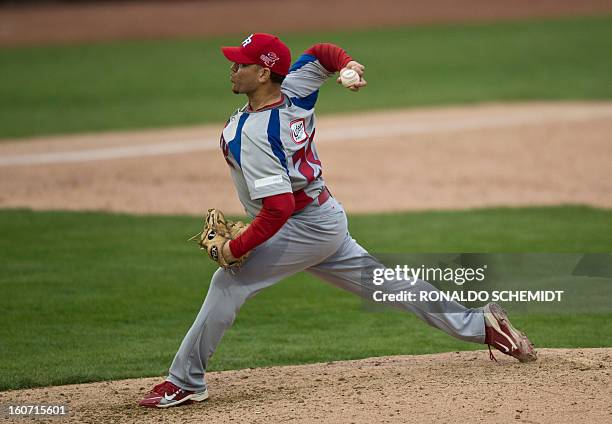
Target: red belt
[302, 199]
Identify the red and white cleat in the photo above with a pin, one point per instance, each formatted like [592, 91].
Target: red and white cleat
[167, 394]
[500, 334]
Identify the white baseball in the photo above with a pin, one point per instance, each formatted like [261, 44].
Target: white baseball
[349, 77]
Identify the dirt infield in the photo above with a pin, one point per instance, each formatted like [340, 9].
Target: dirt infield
[121, 20]
[564, 386]
[444, 158]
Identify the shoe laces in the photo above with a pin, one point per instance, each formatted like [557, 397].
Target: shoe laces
[491, 357]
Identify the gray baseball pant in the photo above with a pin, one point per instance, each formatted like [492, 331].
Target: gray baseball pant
[315, 240]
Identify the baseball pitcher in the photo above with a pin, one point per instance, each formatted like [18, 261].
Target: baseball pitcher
[297, 225]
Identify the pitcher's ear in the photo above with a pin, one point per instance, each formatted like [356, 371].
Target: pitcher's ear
[264, 74]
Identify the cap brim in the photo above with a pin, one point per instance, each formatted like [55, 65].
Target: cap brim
[234, 54]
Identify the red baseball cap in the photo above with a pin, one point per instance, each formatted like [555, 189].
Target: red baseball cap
[266, 50]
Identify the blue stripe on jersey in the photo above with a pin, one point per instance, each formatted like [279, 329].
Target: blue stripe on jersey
[307, 102]
[235, 144]
[303, 60]
[274, 138]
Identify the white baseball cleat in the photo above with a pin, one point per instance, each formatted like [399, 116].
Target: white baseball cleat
[500, 334]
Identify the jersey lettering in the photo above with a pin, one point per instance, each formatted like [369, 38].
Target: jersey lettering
[225, 149]
[305, 160]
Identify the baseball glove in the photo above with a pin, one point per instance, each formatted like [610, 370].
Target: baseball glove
[216, 232]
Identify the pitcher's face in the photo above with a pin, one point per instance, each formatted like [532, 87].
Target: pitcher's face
[245, 78]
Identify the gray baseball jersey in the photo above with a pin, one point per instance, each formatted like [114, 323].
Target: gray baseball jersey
[272, 151]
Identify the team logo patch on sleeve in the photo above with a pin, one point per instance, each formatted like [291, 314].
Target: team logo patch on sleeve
[297, 128]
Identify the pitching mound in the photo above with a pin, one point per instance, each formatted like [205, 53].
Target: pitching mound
[564, 386]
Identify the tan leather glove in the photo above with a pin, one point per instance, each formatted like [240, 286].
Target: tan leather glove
[216, 233]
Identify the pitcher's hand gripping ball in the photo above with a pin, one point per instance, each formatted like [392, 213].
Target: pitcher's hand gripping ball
[216, 233]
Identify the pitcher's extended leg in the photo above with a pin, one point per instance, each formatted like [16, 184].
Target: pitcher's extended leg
[350, 268]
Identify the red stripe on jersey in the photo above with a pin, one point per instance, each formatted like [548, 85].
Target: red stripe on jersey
[309, 153]
[305, 160]
[304, 167]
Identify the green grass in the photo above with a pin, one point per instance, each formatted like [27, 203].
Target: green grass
[123, 85]
[88, 296]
